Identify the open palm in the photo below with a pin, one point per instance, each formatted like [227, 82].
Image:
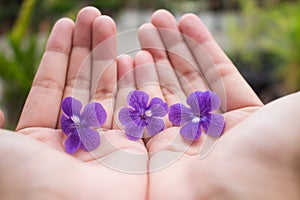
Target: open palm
[252, 157]
[44, 170]
[248, 161]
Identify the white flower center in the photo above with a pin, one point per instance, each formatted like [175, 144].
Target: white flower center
[148, 113]
[196, 119]
[75, 119]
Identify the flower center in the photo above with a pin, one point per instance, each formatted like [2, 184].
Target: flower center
[75, 119]
[196, 119]
[148, 113]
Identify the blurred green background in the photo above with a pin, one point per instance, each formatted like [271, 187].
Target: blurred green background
[262, 37]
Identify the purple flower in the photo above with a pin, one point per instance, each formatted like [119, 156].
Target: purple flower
[198, 115]
[80, 128]
[140, 115]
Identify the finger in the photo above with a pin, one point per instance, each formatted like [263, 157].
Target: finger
[150, 40]
[126, 84]
[180, 56]
[217, 68]
[104, 71]
[78, 77]
[145, 75]
[42, 105]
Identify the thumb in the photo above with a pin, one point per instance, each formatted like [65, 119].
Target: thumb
[273, 131]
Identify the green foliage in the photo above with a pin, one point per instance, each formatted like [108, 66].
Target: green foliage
[17, 64]
[271, 30]
[292, 67]
[22, 23]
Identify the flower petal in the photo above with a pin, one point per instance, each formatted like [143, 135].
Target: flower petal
[158, 107]
[71, 106]
[193, 102]
[138, 100]
[214, 125]
[90, 139]
[191, 131]
[215, 101]
[128, 116]
[155, 126]
[205, 122]
[208, 101]
[134, 132]
[72, 143]
[93, 115]
[179, 114]
[67, 125]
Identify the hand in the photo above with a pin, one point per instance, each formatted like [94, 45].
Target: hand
[257, 157]
[42, 170]
[188, 175]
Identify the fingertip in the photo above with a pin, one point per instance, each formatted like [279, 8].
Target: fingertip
[189, 20]
[61, 36]
[164, 19]
[144, 28]
[88, 10]
[108, 23]
[125, 58]
[150, 41]
[104, 20]
[142, 57]
[188, 16]
[146, 25]
[83, 27]
[142, 53]
[158, 14]
[64, 22]
[125, 65]
[192, 26]
[104, 38]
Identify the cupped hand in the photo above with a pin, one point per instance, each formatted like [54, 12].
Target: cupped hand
[257, 155]
[34, 163]
[253, 159]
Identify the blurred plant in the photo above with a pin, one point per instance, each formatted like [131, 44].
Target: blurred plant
[17, 64]
[266, 39]
[292, 67]
[8, 10]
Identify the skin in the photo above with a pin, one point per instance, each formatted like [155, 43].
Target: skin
[257, 157]
[37, 166]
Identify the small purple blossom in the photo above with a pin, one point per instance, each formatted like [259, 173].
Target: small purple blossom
[80, 128]
[140, 115]
[198, 115]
